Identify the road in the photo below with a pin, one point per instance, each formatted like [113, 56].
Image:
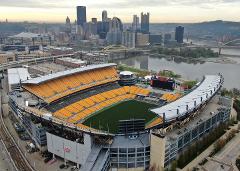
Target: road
[227, 155]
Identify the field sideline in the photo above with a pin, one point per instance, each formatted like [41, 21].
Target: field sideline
[108, 119]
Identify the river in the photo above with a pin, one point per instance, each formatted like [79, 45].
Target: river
[224, 51]
[191, 71]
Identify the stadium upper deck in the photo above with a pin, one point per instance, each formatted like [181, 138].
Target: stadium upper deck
[192, 101]
[57, 85]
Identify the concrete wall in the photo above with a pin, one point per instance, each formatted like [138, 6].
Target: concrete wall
[157, 152]
[69, 150]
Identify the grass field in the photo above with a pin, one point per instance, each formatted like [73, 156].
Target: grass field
[108, 118]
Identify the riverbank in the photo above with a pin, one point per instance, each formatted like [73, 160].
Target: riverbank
[222, 59]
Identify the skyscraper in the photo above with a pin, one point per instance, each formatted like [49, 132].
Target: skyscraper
[68, 20]
[89, 28]
[179, 34]
[135, 24]
[129, 39]
[102, 29]
[114, 36]
[68, 25]
[81, 15]
[115, 24]
[104, 16]
[145, 23]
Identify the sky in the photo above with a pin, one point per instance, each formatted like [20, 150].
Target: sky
[161, 11]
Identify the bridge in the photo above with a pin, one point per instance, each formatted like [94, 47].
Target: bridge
[123, 49]
[226, 44]
[220, 45]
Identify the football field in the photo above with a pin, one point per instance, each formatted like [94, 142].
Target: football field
[108, 118]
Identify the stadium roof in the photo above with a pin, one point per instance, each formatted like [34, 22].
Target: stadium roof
[204, 91]
[45, 78]
[17, 74]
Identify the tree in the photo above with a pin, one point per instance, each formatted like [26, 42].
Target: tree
[235, 92]
[173, 166]
[219, 145]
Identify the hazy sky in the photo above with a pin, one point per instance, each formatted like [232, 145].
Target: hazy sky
[160, 10]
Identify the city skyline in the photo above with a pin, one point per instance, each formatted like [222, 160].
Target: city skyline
[162, 11]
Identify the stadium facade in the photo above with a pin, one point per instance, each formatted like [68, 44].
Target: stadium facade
[54, 108]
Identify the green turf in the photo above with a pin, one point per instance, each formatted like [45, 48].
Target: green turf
[108, 119]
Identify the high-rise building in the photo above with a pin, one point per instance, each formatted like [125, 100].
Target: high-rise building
[102, 29]
[167, 38]
[81, 15]
[68, 25]
[104, 16]
[135, 23]
[145, 22]
[114, 36]
[89, 28]
[68, 20]
[94, 20]
[115, 24]
[129, 39]
[142, 39]
[155, 39]
[179, 32]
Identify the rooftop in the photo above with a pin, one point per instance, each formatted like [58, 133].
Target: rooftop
[26, 35]
[17, 74]
[56, 75]
[125, 141]
[46, 68]
[126, 73]
[72, 60]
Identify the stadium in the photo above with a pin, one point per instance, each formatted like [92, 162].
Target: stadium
[85, 116]
[80, 97]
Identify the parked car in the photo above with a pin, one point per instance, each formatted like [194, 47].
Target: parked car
[19, 128]
[31, 148]
[73, 168]
[62, 166]
[46, 154]
[24, 136]
[47, 159]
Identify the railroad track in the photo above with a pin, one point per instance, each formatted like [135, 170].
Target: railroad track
[16, 155]
[13, 151]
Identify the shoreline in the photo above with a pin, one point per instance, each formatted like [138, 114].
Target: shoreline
[222, 59]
